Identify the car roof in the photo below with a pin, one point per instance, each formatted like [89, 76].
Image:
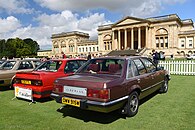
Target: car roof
[120, 57]
[66, 59]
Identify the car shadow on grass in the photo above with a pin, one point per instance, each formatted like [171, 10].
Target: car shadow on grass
[90, 116]
[103, 118]
[42, 100]
[6, 88]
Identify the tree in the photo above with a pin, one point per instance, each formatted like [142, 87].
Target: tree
[18, 47]
[34, 46]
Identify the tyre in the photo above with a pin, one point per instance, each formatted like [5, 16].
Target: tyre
[132, 104]
[164, 87]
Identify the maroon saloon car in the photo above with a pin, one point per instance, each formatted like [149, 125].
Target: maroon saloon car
[40, 81]
[111, 83]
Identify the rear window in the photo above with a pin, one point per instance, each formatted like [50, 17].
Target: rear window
[49, 66]
[73, 66]
[103, 66]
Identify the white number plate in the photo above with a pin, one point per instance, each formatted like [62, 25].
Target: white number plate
[23, 93]
[75, 90]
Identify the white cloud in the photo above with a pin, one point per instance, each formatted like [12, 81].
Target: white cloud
[9, 24]
[125, 7]
[14, 6]
[57, 23]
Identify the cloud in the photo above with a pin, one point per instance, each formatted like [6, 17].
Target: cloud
[14, 6]
[125, 7]
[65, 21]
[9, 24]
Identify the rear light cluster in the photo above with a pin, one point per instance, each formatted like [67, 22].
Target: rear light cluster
[102, 94]
[37, 82]
[57, 88]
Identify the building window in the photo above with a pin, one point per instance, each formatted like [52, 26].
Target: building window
[190, 43]
[93, 48]
[89, 49]
[110, 45]
[71, 48]
[157, 42]
[86, 49]
[97, 49]
[161, 42]
[182, 43]
[79, 49]
[166, 42]
[105, 47]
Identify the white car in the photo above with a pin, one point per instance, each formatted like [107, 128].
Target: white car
[189, 57]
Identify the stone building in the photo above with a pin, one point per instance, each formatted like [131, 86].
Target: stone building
[44, 53]
[168, 34]
[73, 44]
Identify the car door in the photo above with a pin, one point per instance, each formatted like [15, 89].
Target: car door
[144, 79]
[156, 77]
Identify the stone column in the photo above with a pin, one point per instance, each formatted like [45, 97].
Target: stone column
[139, 37]
[132, 39]
[125, 47]
[147, 38]
[113, 42]
[119, 40]
[185, 42]
[194, 42]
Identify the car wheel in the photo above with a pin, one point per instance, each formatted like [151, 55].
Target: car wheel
[132, 104]
[164, 87]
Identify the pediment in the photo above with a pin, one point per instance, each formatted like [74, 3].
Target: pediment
[130, 20]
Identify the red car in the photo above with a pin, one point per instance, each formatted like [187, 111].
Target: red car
[110, 83]
[40, 81]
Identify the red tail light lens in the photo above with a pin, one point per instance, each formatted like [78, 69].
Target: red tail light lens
[37, 82]
[58, 88]
[16, 81]
[102, 94]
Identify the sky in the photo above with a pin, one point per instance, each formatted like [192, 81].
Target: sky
[39, 19]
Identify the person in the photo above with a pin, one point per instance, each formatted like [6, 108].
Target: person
[89, 56]
[155, 56]
[63, 55]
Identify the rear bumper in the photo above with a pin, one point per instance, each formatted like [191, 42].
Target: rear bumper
[95, 105]
[38, 91]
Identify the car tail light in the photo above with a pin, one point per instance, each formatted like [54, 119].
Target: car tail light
[102, 94]
[17, 81]
[57, 88]
[37, 82]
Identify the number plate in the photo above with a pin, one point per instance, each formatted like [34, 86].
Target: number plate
[72, 102]
[25, 81]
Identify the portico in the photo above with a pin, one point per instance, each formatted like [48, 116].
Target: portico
[129, 38]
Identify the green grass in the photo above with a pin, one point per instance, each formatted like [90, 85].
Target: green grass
[174, 110]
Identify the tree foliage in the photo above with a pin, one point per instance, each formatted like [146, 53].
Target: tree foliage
[18, 47]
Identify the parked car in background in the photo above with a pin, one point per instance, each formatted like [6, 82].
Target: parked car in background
[190, 57]
[9, 68]
[111, 83]
[1, 62]
[40, 80]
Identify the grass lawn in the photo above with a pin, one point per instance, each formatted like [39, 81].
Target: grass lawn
[174, 110]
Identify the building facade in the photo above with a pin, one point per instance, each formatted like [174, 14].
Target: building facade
[168, 34]
[44, 53]
[73, 44]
